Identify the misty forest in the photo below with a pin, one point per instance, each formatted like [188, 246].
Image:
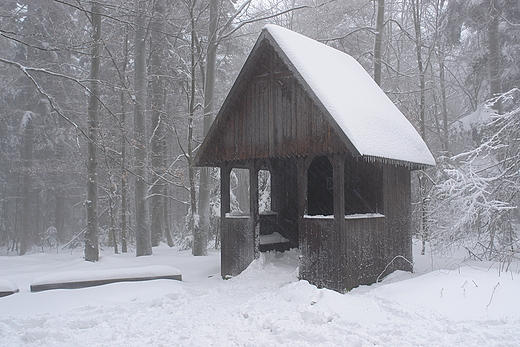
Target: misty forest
[106, 109]
[104, 104]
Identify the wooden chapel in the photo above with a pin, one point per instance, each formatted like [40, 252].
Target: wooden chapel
[339, 154]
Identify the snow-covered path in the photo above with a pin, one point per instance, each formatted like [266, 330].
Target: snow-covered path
[265, 306]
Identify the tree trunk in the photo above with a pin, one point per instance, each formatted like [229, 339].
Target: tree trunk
[27, 154]
[445, 125]
[416, 12]
[143, 235]
[91, 234]
[59, 215]
[200, 240]
[157, 105]
[379, 40]
[112, 218]
[193, 217]
[124, 174]
[166, 223]
[495, 83]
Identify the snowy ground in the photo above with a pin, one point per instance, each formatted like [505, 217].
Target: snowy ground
[447, 302]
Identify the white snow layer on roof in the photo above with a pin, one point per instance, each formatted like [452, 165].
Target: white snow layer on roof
[370, 120]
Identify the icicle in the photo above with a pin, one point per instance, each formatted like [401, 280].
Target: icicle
[395, 162]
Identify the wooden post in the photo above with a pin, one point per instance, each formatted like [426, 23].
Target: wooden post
[225, 171]
[340, 235]
[253, 205]
[302, 166]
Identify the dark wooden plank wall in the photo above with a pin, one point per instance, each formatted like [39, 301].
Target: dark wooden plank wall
[366, 245]
[397, 205]
[272, 116]
[328, 261]
[240, 247]
[365, 250]
[317, 261]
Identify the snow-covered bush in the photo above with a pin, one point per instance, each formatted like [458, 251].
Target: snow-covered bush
[476, 196]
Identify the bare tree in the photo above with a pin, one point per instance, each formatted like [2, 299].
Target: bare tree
[143, 235]
[157, 48]
[200, 240]
[91, 234]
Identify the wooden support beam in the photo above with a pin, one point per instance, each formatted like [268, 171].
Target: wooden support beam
[343, 280]
[226, 243]
[253, 204]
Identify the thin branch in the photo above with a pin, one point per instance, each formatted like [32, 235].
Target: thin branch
[25, 70]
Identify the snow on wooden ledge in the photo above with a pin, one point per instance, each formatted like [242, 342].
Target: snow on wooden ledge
[237, 215]
[273, 238]
[364, 215]
[318, 216]
[348, 216]
[83, 279]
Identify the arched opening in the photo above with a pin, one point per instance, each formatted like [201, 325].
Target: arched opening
[320, 190]
[239, 191]
[264, 191]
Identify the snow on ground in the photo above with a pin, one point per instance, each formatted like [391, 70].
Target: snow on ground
[447, 302]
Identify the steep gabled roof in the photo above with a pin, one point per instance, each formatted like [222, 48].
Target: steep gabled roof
[365, 118]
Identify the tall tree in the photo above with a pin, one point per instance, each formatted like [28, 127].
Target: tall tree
[91, 234]
[124, 173]
[157, 48]
[27, 129]
[143, 236]
[494, 13]
[200, 240]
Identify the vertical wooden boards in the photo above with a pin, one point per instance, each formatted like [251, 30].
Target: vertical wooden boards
[271, 115]
[240, 252]
[397, 205]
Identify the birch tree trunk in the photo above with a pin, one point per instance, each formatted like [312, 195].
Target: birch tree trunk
[142, 232]
[91, 234]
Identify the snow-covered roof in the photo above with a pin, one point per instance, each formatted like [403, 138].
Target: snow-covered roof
[369, 119]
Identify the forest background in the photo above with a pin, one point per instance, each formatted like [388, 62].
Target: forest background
[104, 103]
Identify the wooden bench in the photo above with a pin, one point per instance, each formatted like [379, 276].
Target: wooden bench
[7, 288]
[83, 279]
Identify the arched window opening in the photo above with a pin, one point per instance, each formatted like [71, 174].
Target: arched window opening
[239, 191]
[320, 193]
[264, 191]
